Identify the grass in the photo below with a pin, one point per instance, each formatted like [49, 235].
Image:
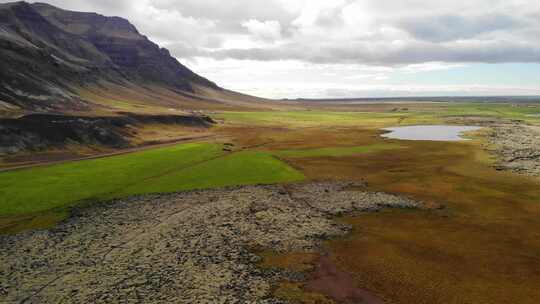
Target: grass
[242, 168]
[180, 167]
[308, 118]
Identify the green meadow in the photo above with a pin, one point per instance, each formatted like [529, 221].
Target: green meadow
[180, 167]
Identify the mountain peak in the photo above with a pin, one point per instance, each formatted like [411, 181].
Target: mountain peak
[49, 52]
[14, 4]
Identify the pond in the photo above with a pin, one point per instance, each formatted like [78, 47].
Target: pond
[433, 133]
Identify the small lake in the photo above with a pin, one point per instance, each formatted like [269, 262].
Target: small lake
[433, 133]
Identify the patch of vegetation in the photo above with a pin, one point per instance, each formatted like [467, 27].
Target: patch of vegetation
[336, 151]
[295, 261]
[295, 293]
[310, 118]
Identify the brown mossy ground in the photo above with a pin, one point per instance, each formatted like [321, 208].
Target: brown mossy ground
[478, 242]
[41, 220]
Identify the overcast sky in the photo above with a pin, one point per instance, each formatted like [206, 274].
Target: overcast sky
[345, 48]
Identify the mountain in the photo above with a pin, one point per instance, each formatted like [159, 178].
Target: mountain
[59, 60]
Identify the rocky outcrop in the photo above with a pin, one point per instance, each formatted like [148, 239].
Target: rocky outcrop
[517, 147]
[194, 247]
[48, 52]
[41, 131]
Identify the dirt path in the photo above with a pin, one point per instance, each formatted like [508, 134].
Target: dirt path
[338, 285]
[192, 247]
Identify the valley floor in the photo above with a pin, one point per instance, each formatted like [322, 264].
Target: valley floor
[473, 239]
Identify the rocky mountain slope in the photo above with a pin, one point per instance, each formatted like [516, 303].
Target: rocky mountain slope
[50, 55]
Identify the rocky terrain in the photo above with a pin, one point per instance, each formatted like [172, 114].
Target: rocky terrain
[41, 131]
[515, 144]
[517, 147]
[193, 247]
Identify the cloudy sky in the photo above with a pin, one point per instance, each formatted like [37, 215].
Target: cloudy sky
[346, 48]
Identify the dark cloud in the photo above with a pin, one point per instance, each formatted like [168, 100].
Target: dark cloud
[377, 32]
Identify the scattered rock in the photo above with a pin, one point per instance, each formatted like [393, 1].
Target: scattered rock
[517, 147]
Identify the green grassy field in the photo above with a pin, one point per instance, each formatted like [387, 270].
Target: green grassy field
[242, 168]
[180, 167]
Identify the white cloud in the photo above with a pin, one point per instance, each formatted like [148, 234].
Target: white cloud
[266, 30]
[430, 66]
